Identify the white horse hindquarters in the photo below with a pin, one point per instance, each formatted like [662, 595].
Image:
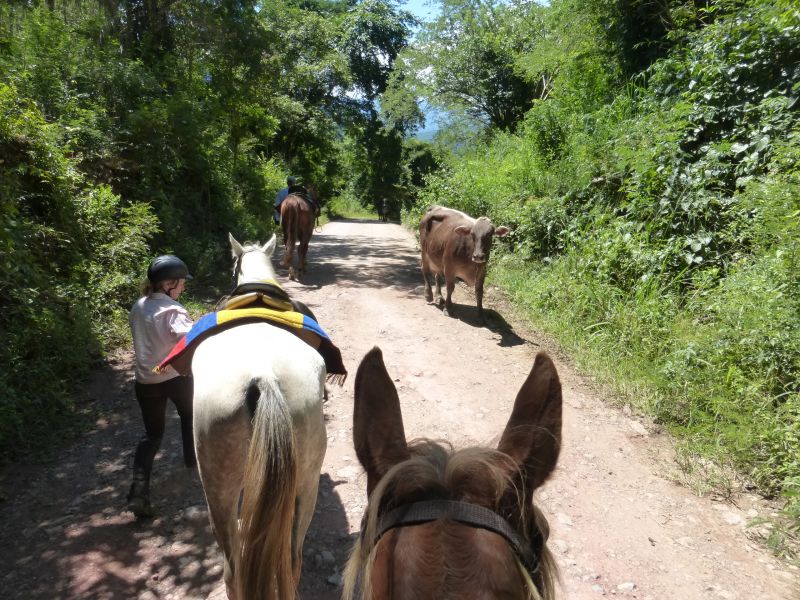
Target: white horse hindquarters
[233, 370]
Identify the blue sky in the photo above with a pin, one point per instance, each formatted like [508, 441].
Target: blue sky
[422, 9]
[425, 10]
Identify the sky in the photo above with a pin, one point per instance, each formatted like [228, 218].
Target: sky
[425, 10]
[422, 9]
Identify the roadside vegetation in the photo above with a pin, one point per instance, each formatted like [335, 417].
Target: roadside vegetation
[130, 129]
[653, 190]
[646, 157]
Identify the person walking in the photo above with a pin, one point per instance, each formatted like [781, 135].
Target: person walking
[158, 321]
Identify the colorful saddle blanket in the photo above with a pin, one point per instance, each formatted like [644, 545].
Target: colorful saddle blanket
[301, 325]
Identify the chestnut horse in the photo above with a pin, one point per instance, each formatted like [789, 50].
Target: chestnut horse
[454, 524]
[297, 222]
[260, 438]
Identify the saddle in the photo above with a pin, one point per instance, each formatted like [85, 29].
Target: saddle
[253, 302]
[299, 190]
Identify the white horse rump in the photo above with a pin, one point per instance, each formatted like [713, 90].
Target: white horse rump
[260, 440]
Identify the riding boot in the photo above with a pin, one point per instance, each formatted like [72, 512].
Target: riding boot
[139, 496]
[189, 458]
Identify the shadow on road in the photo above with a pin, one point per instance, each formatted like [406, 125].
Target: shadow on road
[494, 322]
[327, 545]
[358, 261]
[72, 535]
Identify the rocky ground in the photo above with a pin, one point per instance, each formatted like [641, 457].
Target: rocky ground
[621, 526]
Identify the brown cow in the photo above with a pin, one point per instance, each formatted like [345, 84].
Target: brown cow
[456, 246]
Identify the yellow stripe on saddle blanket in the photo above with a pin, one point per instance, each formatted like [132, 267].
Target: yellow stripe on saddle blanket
[288, 318]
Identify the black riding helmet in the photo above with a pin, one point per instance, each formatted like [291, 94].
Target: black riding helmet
[291, 180]
[167, 267]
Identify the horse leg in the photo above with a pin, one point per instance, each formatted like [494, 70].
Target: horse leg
[288, 258]
[312, 430]
[218, 448]
[438, 280]
[289, 227]
[303, 249]
[288, 250]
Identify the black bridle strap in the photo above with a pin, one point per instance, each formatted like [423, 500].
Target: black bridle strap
[462, 512]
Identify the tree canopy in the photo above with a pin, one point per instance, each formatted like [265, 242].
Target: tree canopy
[645, 156]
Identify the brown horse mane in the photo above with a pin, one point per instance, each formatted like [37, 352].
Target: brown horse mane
[435, 471]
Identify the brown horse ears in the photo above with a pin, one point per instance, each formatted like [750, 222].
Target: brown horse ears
[532, 437]
[378, 434]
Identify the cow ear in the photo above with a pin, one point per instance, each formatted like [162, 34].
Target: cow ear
[532, 437]
[378, 434]
[269, 247]
[236, 247]
[501, 231]
[463, 230]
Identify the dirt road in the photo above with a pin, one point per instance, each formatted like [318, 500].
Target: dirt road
[619, 525]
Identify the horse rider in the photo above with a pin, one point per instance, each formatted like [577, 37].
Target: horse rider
[291, 181]
[158, 321]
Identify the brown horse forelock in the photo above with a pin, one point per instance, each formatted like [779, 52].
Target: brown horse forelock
[475, 475]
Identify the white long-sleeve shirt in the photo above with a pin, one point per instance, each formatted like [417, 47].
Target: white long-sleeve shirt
[158, 322]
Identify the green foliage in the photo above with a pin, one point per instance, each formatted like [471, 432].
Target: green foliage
[467, 60]
[373, 35]
[574, 57]
[129, 129]
[68, 254]
[655, 220]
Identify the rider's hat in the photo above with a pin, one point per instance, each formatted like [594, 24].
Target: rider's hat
[167, 266]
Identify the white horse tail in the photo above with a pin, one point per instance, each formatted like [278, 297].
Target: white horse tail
[264, 544]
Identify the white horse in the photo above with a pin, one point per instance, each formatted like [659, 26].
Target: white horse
[260, 440]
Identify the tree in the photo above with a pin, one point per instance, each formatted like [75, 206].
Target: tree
[374, 33]
[467, 59]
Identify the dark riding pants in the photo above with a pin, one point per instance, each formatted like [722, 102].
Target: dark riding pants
[152, 400]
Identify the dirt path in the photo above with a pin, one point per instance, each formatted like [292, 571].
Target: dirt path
[619, 525]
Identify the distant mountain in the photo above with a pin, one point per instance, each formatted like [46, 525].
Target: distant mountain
[434, 120]
[426, 134]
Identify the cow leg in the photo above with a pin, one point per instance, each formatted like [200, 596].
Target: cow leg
[426, 273]
[479, 298]
[450, 282]
[438, 278]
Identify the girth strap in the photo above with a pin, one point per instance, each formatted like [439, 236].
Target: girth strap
[466, 513]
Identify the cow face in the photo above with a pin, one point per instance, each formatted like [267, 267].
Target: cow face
[481, 233]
